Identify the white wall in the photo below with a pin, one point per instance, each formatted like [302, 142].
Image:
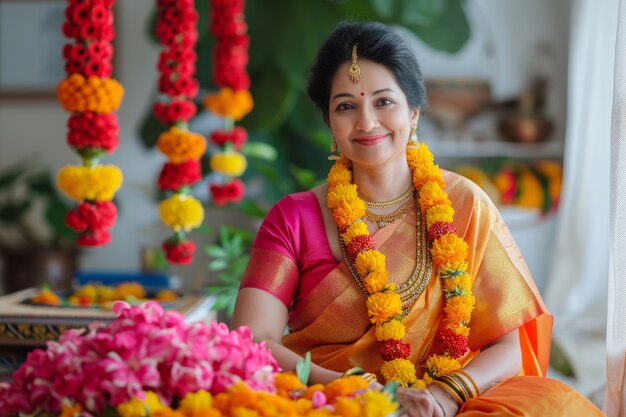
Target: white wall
[37, 128]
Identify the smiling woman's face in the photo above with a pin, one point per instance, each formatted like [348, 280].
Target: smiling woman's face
[370, 119]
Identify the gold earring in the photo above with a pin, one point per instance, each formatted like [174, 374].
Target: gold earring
[412, 143]
[334, 154]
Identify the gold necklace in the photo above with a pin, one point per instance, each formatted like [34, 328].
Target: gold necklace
[413, 287]
[386, 204]
[383, 220]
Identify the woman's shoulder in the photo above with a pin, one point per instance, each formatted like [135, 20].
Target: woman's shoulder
[462, 190]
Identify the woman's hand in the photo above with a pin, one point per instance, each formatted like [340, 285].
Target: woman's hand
[431, 402]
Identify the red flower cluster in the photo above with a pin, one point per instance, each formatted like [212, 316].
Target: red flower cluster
[176, 30]
[93, 221]
[237, 137]
[358, 244]
[231, 50]
[92, 130]
[451, 343]
[232, 192]
[179, 252]
[393, 349]
[175, 176]
[439, 229]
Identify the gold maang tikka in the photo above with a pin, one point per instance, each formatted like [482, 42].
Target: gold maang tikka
[355, 71]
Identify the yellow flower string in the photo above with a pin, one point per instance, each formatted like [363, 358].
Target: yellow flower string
[449, 253]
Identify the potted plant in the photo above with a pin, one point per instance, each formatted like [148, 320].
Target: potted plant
[35, 244]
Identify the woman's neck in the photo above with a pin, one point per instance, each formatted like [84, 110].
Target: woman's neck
[377, 184]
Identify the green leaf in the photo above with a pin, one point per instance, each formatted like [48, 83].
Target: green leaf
[11, 212]
[9, 176]
[385, 8]
[41, 183]
[260, 150]
[305, 178]
[421, 12]
[55, 215]
[303, 368]
[217, 264]
[150, 128]
[215, 251]
[252, 209]
[274, 100]
[449, 32]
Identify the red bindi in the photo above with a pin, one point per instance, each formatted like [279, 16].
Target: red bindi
[362, 94]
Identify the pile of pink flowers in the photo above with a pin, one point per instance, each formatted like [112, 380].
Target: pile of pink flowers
[144, 348]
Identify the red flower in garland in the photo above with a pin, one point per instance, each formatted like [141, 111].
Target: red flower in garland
[393, 349]
[175, 176]
[439, 229]
[233, 192]
[180, 252]
[93, 130]
[92, 216]
[358, 244]
[176, 111]
[449, 342]
[237, 137]
[94, 238]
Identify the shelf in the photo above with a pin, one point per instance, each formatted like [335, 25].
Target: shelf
[494, 149]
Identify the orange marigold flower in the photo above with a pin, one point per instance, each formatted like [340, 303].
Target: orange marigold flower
[453, 267]
[97, 183]
[344, 387]
[378, 404]
[287, 381]
[383, 306]
[376, 280]
[228, 103]
[399, 370]
[130, 289]
[311, 390]
[431, 194]
[99, 95]
[439, 214]
[242, 396]
[340, 193]
[419, 157]
[427, 173]
[357, 228]
[222, 402]
[348, 407]
[167, 412]
[459, 310]
[303, 406]
[439, 365]
[346, 214]
[448, 249]
[462, 282]
[339, 174]
[393, 329]
[180, 145]
[368, 261]
[70, 410]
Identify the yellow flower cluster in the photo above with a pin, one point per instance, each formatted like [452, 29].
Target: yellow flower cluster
[79, 94]
[232, 164]
[228, 103]
[343, 396]
[97, 183]
[180, 145]
[449, 254]
[181, 212]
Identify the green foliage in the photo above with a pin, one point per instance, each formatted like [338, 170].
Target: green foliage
[228, 257]
[303, 368]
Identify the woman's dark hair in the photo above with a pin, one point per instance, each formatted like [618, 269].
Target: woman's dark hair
[377, 43]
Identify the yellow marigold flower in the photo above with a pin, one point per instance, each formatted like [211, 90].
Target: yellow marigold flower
[194, 402]
[70, 410]
[228, 103]
[232, 164]
[368, 261]
[207, 412]
[320, 412]
[378, 404]
[448, 249]
[419, 157]
[462, 282]
[460, 330]
[399, 370]
[459, 309]
[138, 408]
[130, 289]
[242, 396]
[99, 95]
[287, 381]
[167, 412]
[346, 214]
[427, 173]
[439, 214]
[180, 145]
[431, 194]
[303, 406]
[439, 365]
[354, 230]
[343, 387]
[244, 412]
[340, 193]
[348, 407]
[393, 329]
[97, 183]
[454, 266]
[420, 384]
[382, 306]
[181, 212]
[339, 174]
[375, 281]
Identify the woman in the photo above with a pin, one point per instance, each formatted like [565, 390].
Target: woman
[395, 266]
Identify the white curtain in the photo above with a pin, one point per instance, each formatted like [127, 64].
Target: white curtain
[615, 400]
[577, 286]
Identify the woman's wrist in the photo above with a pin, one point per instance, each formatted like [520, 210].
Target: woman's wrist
[448, 404]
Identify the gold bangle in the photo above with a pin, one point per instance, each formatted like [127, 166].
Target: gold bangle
[476, 392]
[456, 385]
[461, 384]
[449, 390]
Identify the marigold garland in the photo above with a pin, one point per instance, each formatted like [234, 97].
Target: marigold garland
[449, 253]
[232, 101]
[177, 32]
[92, 96]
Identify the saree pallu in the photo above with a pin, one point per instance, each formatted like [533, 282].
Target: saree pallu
[291, 259]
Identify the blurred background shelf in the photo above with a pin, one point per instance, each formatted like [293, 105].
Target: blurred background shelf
[493, 149]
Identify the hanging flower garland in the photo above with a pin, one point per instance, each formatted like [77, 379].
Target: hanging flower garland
[232, 102]
[91, 96]
[384, 305]
[177, 32]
